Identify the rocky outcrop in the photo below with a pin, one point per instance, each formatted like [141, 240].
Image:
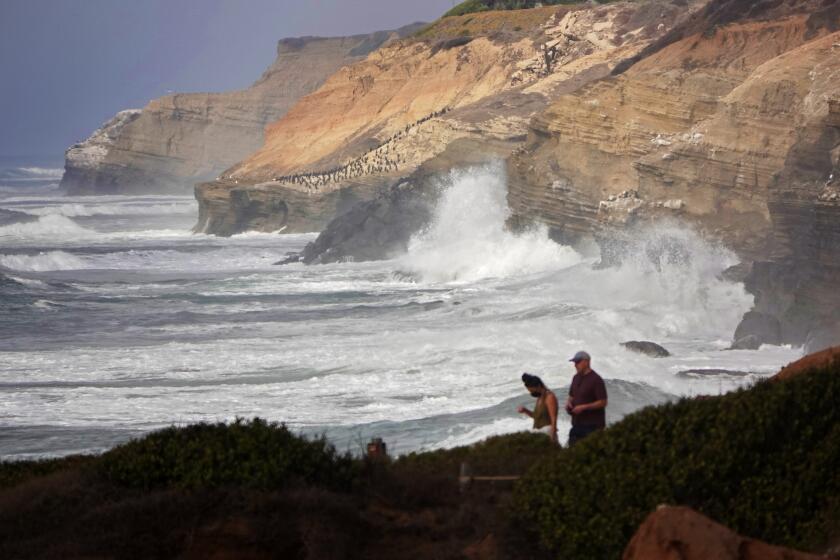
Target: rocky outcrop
[823, 358]
[178, 140]
[673, 532]
[478, 77]
[727, 123]
[646, 347]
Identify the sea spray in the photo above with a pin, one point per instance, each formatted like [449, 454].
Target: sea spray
[51, 227]
[468, 241]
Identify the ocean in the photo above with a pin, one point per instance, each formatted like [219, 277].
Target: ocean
[116, 320]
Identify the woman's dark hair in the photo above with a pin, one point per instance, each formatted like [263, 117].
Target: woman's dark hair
[532, 380]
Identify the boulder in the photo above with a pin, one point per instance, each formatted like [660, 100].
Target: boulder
[755, 329]
[682, 533]
[646, 347]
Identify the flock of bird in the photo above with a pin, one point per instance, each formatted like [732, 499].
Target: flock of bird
[376, 160]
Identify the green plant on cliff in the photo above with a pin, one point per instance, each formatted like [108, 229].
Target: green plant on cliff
[253, 453]
[762, 461]
[473, 6]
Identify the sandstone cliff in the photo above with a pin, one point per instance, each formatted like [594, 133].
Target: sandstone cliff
[180, 139]
[480, 77]
[728, 123]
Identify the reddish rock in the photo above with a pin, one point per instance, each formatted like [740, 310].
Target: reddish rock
[680, 533]
[815, 360]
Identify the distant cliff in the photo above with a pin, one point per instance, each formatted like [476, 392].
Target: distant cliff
[178, 140]
[480, 76]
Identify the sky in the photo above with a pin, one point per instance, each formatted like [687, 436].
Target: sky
[66, 66]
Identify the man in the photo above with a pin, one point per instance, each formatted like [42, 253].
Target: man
[587, 400]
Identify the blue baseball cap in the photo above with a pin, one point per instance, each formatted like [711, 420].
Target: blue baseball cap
[580, 356]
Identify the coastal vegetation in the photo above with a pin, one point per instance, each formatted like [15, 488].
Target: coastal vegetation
[473, 6]
[761, 460]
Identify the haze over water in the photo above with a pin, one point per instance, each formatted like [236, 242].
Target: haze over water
[116, 320]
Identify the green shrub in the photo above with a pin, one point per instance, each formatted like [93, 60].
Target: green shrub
[255, 454]
[762, 461]
[508, 454]
[15, 472]
[473, 6]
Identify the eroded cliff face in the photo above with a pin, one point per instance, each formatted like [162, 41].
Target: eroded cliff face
[731, 126]
[178, 140]
[476, 77]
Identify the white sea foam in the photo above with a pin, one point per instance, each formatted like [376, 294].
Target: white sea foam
[54, 227]
[77, 209]
[51, 260]
[467, 239]
[350, 344]
[42, 172]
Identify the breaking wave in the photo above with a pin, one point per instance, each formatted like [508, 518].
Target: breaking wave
[50, 260]
[468, 241]
[52, 226]
[84, 210]
[31, 173]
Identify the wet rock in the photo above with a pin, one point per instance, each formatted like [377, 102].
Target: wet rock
[822, 337]
[755, 329]
[749, 342]
[711, 372]
[646, 347]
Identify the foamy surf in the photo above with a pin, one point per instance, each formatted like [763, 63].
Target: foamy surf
[468, 241]
[132, 316]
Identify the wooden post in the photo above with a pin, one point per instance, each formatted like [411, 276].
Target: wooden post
[465, 477]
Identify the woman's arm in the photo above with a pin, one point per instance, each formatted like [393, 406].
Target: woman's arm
[551, 403]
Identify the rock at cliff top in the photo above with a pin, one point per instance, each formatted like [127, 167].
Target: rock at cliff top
[646, 347]
[671, 533]
[808, 363]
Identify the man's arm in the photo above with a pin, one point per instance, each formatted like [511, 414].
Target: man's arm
[590, 406]
[523, 410]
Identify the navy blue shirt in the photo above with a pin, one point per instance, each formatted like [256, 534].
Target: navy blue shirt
[588, 388]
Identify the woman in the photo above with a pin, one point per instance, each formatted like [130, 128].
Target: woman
[545, 411]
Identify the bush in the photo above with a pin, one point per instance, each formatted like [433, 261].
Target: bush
[762, 461]
[473, 6]
[16, 472]
[254, 454]
[508, 454]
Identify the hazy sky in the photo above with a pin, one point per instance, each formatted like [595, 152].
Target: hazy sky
[66, 66]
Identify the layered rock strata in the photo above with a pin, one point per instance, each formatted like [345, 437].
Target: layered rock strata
[178, 140]
[729, 124]
[478, 77]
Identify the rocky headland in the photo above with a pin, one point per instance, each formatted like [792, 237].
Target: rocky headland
[178, 140]
[724, 119]
[728, 123]
[461, 82]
